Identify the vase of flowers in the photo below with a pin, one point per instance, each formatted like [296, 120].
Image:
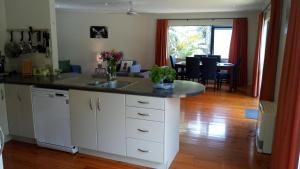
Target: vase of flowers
[112, 58]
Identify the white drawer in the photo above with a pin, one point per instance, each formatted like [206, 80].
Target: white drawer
[145, 102]
[145, 150]
[145, 114]
[145, 130]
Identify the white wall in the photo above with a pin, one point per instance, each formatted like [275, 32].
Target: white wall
[125, 33]
[25, 13]
[134, 35]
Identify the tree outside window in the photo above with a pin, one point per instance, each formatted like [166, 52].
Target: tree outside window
[186, 41]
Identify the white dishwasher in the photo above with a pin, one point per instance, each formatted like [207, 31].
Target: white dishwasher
[52, 119]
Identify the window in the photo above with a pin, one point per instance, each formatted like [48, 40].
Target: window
[187, 41]
[221, 41]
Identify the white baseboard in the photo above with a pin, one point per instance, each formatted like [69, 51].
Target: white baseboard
[123, 159]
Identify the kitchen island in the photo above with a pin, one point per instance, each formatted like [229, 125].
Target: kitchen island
[128, 121]
[136, 86]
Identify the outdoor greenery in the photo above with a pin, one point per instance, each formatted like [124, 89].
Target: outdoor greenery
[186, 41]
[162, 74]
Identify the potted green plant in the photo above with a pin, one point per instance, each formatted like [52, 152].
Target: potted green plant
[162, 77]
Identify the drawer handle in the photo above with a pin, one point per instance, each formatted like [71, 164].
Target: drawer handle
[143, 114]
[143, 102]
[144, 131]
[143, 151]
[91, 104]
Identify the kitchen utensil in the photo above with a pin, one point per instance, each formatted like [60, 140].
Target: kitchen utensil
[11, 47]
[27, 48]
[40, 47]
[2, 63]
[20, 48]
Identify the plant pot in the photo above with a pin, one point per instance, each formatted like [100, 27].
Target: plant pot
[164, 86]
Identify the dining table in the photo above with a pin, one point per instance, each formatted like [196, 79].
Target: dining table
[220, 66]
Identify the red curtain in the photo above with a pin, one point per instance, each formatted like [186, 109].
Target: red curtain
[256, 64]
[239, 48]
[271, 56]
[161, 42]
[286, 144]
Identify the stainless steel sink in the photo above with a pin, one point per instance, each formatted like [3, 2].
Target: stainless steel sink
[111, 85]
[85, 81]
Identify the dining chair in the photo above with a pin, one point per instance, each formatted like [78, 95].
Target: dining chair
[193, 70]
[200, 57]
[217, 56]
[180, 73]
[235, 70]
[222, 77]
[173, 61]
[209, 70]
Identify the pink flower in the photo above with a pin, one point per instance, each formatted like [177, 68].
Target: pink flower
[112, 55]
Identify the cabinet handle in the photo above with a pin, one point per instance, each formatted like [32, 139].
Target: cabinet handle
[2, 94]
[19, 97]
[143, 151]
[91, 104]
[144, 114]
[143, 102]
[144, 131]
[98, 104]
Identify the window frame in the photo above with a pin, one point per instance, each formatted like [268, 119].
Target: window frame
[213, 28]
[212, 36]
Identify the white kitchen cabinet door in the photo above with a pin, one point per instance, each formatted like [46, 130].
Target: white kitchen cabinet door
[111, 123]
[3, 112]
[26, 113]
[13, 109]
[19, 110]
[83, 119]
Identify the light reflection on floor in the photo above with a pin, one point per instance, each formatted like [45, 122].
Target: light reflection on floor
[202, 128]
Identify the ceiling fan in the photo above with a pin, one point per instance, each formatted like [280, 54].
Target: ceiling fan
[131, 11]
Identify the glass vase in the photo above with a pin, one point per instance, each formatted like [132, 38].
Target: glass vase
[111, 71]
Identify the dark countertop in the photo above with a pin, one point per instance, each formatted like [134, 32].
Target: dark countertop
[137, 86]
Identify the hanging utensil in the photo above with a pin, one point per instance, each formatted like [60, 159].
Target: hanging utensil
[40, 46]
[47, 37]
[27, 48]
[9, 47]
[20, 48]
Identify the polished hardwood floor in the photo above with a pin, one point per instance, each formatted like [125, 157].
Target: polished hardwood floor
[214, 134]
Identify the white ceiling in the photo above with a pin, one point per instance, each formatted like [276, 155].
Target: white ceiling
[163, 6]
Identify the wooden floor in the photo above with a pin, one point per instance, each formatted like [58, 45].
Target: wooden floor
[214, 135]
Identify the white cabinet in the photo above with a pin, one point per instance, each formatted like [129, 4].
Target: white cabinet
[145, 150]
[98, 121]
[145, 130]
[152, 128]
[145, 102]
[19, 110]
[136, 129]
[3, 112]
[111, 123]
[83, 119]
